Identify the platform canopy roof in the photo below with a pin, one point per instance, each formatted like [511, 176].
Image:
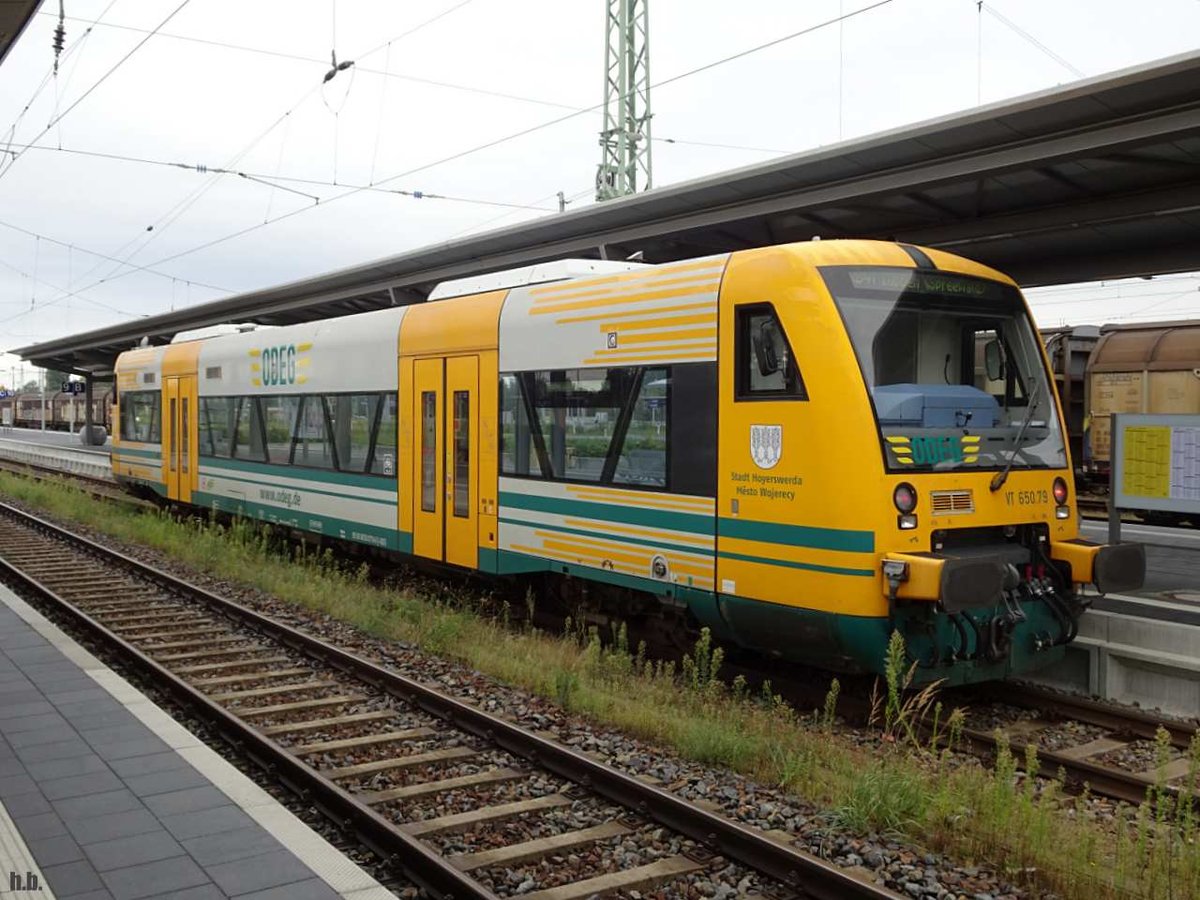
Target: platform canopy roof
[14, 16]
[1100, 179]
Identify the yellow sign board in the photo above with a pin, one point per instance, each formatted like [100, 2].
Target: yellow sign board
[1147, 461]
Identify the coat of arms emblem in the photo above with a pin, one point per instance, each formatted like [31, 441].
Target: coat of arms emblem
[766, 445]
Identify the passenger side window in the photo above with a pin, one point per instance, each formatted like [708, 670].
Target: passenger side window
[613, 426]
[766, 367]
[279, 420]
[577, 411]
[354, 420]
[216, 426]
[248, 437]
[643, 460]
[313, 445]
[384, 460]
[518, 438]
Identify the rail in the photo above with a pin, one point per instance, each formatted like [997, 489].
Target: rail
[139, 615]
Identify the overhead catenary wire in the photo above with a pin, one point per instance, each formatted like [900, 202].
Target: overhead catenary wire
[72, 247]
[716, 146]
[37, 279]
[70, 50]
[271, 181]
[522, 133]
[172, 216]
[179, 209]
[358, 66]
[1034, 301]
[87, 93]
[491, 143]
[1017, 29]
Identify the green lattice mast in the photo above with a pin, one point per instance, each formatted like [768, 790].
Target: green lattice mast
[625, 139]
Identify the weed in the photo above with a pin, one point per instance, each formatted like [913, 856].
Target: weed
[831, 699]
[885, 798]
[966, 811]
[702, 666]
[565, 686]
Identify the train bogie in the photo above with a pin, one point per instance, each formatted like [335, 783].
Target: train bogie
[798, 446]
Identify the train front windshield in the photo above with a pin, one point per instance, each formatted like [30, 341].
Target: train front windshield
[953, 367]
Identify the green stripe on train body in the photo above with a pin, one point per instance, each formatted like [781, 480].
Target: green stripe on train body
[692, 523]
[303, 473]
[608, 535]
[342, 529]
[305, 485]
[799, 535]
[123, 449]
[809, 536]
[790, 564]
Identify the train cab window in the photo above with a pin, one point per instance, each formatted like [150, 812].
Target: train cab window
[140, 419]
[993, 371]
[766, 367]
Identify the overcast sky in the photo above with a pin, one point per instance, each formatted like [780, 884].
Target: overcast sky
[228, 84]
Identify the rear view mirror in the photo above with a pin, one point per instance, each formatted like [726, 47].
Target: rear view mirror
[764, 350]
[993, 361]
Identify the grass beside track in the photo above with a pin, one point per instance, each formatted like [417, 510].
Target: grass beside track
[1024, 828]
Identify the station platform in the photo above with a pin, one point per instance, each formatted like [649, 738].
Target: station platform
[51, 438]
[103, 795]
[70, 460]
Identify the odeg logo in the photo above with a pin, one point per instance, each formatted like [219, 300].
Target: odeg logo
[278, 365]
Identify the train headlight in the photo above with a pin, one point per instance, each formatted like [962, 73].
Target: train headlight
[1060, 491]
[1061, 510]
[905, 498]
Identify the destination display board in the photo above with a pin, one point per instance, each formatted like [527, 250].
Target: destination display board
[1156, 462]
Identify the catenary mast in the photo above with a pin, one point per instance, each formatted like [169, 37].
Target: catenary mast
[625, 139]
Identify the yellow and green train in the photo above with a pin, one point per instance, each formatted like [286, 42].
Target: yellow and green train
[796, 446]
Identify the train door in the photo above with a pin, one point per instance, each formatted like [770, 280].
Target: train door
[429, 383]
[445, 451]
[179, 448]
[764, 445]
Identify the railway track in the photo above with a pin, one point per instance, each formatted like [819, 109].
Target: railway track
[386, 756]
[99, 488]
[1109, 731]
[1106, 730]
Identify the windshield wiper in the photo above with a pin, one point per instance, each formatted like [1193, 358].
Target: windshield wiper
[1002, 476]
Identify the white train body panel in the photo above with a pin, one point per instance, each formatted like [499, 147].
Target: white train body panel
[350, 355]
[661, 314]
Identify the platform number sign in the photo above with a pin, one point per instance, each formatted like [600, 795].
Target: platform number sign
[74, 387]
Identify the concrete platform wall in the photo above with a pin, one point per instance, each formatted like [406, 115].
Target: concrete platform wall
[1154, 663]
